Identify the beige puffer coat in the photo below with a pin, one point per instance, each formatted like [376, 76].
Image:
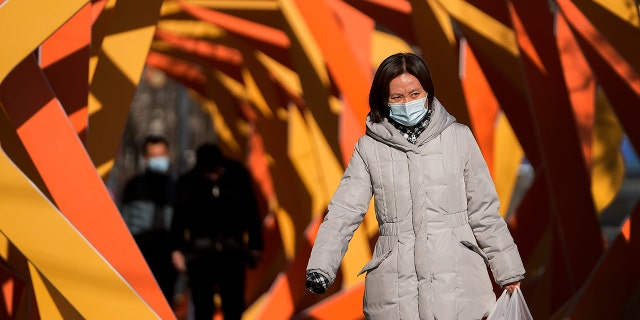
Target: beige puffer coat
[435, 203]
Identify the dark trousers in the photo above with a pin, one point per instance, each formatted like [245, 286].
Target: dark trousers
[217, 272]
[154, 246]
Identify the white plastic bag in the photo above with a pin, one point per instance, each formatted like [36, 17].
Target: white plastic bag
[510, 307]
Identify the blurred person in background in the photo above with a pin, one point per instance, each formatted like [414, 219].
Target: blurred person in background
[216, 232]
[147, 209]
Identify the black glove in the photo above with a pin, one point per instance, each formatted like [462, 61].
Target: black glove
[316, 282]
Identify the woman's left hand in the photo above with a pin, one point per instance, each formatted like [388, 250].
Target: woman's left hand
[512, 286]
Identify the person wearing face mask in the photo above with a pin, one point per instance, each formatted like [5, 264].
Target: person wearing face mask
[216, 232]
[435, 203]
[147, 209]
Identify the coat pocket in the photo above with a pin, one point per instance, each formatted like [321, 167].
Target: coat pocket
[374, 263]
[381, 285]
[384, 248]
[468, 247]
[471, 263]
[475, 249]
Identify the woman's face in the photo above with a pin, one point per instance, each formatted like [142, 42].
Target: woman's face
[405, 88]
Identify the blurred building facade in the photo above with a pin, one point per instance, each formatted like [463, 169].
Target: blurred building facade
[161, 106]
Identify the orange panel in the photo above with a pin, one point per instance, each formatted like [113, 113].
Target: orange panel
[188, 74]
[68, 172]
[288, 289]
[12, 289]
[619, 80]
[482, 104]
[581, 85]
[393, 14]
[342, 305]
[271, 41]
[201, 48]
[616, 30]
[352, 82]
[64, 58]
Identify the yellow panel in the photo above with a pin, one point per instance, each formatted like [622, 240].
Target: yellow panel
[116, 76]
[287, 233]
[330, 168]
[326, 180]
[170, 7]
[46, 306]
[482, 23]
[236, 88]
[99, 30]
[303, 158]
[26, 24]
[508, 155]
[192, 28]
[384, 44]
[255, 95]
[357, 256]
[125, 55]
[444, 20]
[624, 9]
[4, 247]
[61, 254]
[607, 170]
[284, 75]
[219, 124]
[271, 5]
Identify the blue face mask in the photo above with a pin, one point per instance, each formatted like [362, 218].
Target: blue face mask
[408, 114]
[158, 164]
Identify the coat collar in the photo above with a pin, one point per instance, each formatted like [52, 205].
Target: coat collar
[386, 133]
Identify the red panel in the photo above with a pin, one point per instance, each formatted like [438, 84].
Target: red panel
[614, 280]
[568, 180]
[532, 217]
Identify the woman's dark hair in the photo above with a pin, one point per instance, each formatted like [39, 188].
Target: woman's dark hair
[391, 67]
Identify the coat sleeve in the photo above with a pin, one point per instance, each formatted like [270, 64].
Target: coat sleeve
[489, 228]
[347, 208]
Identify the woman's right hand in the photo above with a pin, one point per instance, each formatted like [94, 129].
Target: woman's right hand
[512, 286]
[177, 257]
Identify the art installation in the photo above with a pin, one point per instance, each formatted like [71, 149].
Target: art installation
[553, 86]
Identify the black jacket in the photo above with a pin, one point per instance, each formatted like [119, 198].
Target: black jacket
[147, 202]
[216, 216]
